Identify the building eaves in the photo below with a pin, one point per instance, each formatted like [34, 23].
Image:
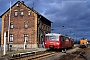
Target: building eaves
[38, 13]
[9, 9]
[0, 17]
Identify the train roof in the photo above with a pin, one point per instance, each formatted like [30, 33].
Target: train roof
[56, 34]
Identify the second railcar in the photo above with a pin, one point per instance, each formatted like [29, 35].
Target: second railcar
[83, 43]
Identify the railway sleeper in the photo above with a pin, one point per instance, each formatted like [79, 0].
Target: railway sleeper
[40, 56]
[83, 56]
[18, 55]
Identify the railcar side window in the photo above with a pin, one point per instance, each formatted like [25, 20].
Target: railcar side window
[57, 37]
[64, 38]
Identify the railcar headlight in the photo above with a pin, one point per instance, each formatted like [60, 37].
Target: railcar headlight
[45, 43]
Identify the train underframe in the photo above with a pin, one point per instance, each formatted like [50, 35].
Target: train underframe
[84, 46]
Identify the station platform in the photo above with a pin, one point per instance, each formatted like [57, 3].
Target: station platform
[21, 52]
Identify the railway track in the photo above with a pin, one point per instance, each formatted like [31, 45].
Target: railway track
[78, 55]
[36, 56]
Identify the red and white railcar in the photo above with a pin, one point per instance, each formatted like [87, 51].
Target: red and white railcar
[57, 41]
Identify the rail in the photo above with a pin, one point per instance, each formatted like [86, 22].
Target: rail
[80, 54]
[36, 56]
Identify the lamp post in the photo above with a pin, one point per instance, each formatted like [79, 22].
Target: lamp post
[62, 29]
[73, 37]
[52, 30]
[69, 33]
[76, 40]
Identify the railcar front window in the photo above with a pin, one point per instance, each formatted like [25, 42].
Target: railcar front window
[47, 37]
[52, 38]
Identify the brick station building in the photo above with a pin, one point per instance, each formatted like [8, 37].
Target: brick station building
[25, 23]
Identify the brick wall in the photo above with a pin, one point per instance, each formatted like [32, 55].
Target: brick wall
[18, 30]
[33, 31]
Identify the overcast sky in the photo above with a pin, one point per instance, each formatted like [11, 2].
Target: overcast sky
[71, 17]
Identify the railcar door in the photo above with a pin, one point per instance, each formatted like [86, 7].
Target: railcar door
[67, 42]
[62, 42]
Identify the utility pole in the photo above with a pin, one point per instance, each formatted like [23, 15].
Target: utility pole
[33, 4]
[9, 24]
[76, 40]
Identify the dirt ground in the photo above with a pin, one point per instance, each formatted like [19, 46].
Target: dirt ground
[85, 55]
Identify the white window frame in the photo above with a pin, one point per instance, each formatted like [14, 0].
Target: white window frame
[11, 25]
[17, 4]
[22, 13]
[29, 13]
[11, 37]
[16, 13]
[25, 37]
[25, 25]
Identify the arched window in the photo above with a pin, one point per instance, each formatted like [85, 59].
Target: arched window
[15, 13]
[25, 37]
[11, 25]
[25, 25]
[22, 13]
[28, 12]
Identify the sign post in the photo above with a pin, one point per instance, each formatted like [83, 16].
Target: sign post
[4, 43]
[24, 44]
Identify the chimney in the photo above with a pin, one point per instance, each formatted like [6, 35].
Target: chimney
[23, 2]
